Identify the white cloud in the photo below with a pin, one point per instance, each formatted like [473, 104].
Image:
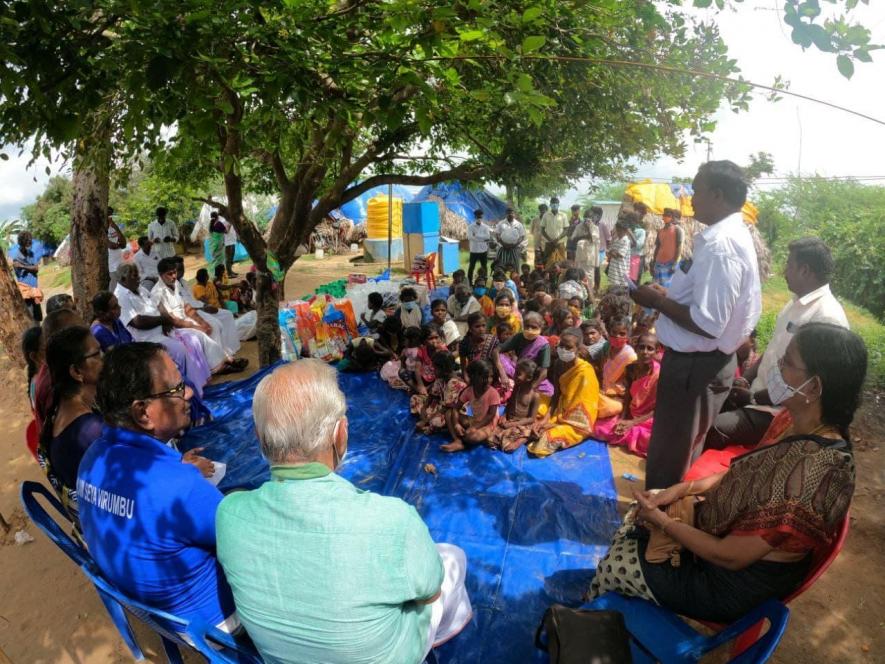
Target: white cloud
[17, 185]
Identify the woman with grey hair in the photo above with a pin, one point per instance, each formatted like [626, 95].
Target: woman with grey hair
[367, 582]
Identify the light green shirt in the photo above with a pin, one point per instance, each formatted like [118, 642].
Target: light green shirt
[324, 572]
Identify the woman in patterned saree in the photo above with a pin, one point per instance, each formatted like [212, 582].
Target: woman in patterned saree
[730, 541]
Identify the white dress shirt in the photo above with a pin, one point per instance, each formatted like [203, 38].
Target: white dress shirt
[133, 305]
[479, 235]
[147, 264]
[818, 306]
[115, 256]
[157, 231]
[721, 287]
[510, 233]
[230, 235]
[553, 224]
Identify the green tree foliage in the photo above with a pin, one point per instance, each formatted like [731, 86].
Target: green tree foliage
[848, 216]
[49, 217]
[761, 163]
[136, 199]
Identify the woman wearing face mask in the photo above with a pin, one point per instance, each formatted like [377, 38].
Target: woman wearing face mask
[530, 344]
[763, 521]
[618, 357]
[572, 413]
[504, 313]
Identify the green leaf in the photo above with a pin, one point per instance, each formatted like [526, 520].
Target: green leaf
[4, 156]
[703, 4]
[863, 55]
[471, 35]
[532, 43]
[524, 83]
[531, 14]
[845, 65]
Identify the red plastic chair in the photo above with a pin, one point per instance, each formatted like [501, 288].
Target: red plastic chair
[32, 440]
[427, 272]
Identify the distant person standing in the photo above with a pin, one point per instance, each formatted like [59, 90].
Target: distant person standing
[605, 238]
[573, 222]
[619, 253]
[637, 242]
[479, 235]
[536, 232]
[586, 238]
[668, 248]
[230, 248]
[712, 305]
[510, 234]
[163, 234]
[26, 265]
[554, 228]
[116, 248]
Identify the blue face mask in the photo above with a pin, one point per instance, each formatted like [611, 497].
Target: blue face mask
[410, 306]
[479, 292]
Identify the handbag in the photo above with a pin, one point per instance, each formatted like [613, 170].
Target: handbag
[575, 636]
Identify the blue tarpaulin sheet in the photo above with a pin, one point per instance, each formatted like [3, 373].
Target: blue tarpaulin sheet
[463, 201]
[533, 529]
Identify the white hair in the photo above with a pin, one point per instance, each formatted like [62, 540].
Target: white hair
[295, 409]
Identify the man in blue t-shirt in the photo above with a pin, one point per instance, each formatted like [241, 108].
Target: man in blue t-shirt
[148, 518]
[26, 265]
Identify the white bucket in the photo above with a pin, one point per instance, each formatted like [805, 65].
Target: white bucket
[318, 254]
[354, 248]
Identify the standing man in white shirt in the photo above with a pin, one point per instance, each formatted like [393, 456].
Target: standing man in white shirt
[116, 247]
[163, 234]
[808, 271]
[478, 234]
[712, 305]
[554, 228]
[510, 234]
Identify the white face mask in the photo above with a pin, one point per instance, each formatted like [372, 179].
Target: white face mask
[566, 355]
[778, 389]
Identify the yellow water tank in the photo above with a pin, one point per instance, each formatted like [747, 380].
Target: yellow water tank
[376, 218]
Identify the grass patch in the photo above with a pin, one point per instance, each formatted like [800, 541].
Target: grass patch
[775, 295]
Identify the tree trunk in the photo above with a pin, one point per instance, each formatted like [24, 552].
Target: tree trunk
[14, 318]
[268, 330]
[89, 226]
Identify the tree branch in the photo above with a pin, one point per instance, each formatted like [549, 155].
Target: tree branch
[211, 202]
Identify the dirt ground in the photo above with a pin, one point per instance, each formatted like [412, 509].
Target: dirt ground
[50, 613]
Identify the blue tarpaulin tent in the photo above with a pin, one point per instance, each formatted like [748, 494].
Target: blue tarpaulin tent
[357, 209]
[463, 201]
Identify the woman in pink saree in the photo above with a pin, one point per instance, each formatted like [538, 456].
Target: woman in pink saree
[634, 431]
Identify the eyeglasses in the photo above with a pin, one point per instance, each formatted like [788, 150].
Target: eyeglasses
[782, 362]
[177, 392]
[97, 353]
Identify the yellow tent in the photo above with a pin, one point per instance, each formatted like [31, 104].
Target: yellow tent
[659, 196]
[655, 195]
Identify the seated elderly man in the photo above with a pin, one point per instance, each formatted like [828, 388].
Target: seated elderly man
[147, 518]
[322, 571]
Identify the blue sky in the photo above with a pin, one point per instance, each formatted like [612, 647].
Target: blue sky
[803, 136]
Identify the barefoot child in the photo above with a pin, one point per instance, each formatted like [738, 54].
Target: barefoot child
[442, 396]
[483, 399]
[634, 430]
[515, 428]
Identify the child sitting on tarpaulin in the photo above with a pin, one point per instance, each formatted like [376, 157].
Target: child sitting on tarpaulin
[442, 395]
[483, 400]
[444, 325]
[515, 428]
[375, 312]
[364, 354]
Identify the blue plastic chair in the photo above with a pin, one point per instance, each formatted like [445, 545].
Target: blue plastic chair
[658, 634]
[223, 649]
